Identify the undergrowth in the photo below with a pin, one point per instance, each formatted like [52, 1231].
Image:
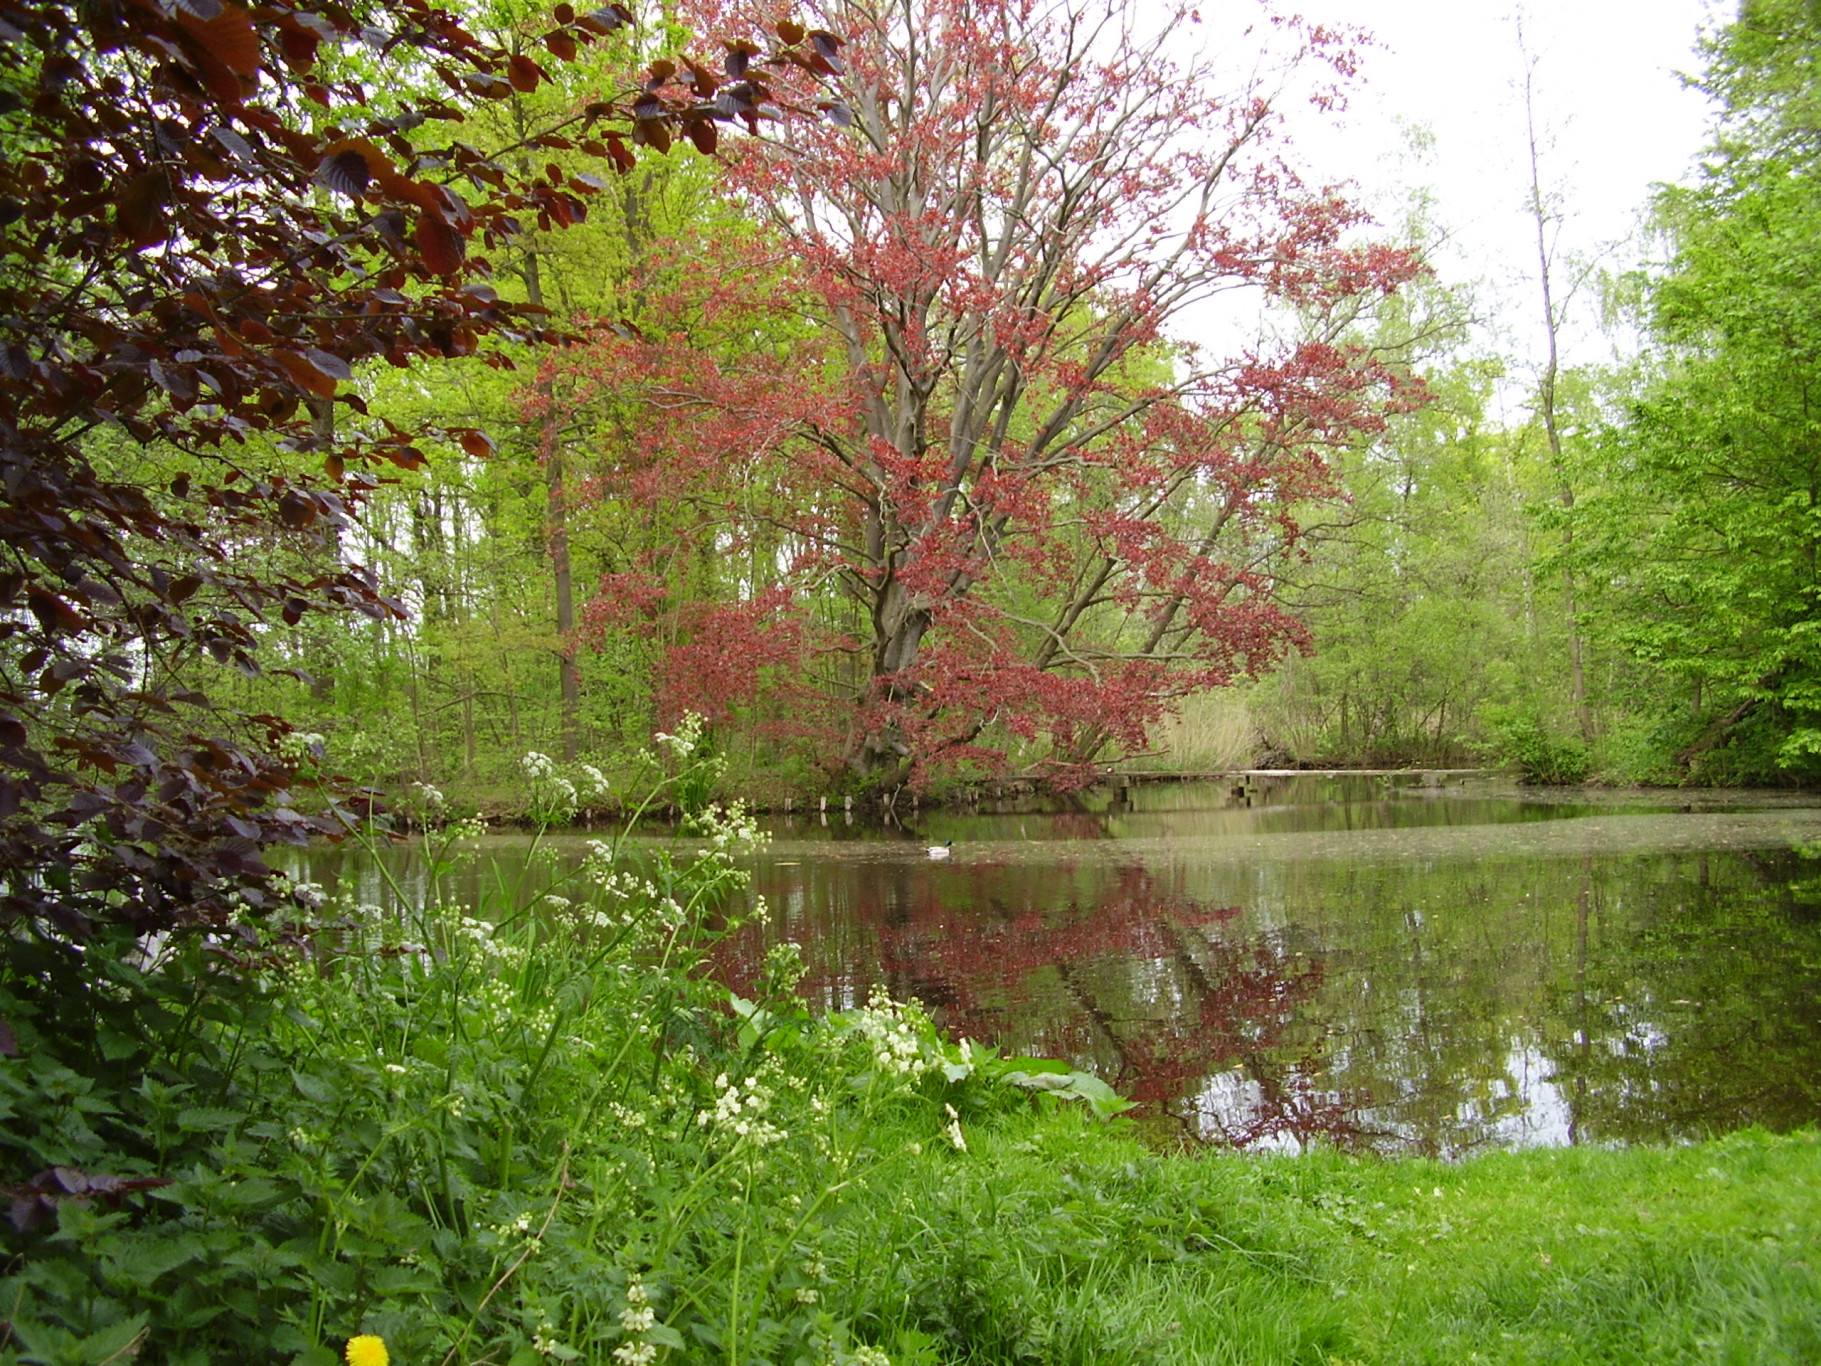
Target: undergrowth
[478, 1134]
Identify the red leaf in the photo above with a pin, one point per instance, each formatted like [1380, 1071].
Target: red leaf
[439, 244]
[345, 172]
[791, 32]
[561, 46]
[623, 158]
[704, 135]
[229, 38]
[306, 375]
[477, 443]
[294, 510]
[524, 73]
[139, 211]
[53, 613]
[299, 45]
[333, 366]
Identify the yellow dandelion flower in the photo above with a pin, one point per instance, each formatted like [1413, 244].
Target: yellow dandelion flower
[367, 1350]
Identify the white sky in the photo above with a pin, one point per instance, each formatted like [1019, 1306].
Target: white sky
[1613, 116]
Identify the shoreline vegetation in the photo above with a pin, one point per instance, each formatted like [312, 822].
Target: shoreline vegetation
[471, 1135]
[501, 808]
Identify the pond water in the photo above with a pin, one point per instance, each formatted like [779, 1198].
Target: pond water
[1376, 963]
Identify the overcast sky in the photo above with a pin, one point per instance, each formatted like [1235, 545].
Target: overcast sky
[1614, 115]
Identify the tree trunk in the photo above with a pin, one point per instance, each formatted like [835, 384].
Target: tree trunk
[556, 540]
[1547, 402]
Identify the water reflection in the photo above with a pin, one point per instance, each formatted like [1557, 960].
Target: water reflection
[1435, 970]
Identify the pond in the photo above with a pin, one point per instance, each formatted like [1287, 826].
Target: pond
[1378, 963]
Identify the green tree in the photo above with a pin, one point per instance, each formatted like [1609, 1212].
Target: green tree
[1702, 543]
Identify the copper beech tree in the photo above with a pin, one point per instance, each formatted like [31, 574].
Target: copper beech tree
[990, 486]
[207, 220]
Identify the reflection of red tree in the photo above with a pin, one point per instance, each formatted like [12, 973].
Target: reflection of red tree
[1077, 825]
[1231, 1004]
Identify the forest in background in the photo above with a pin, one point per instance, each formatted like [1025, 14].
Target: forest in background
[1364, 538]
[1589, 572]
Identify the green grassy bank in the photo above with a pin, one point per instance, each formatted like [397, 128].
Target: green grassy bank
[504, 1139]
[1053, 1240]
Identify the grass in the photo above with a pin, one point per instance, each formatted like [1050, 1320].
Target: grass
[1056, 1241]
[1214, 732]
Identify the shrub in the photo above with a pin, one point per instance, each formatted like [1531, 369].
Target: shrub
[1539, 756]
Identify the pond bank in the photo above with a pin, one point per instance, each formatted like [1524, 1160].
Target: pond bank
[1076, 1245]
[500, 810]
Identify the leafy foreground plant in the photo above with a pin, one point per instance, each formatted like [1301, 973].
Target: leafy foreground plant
[505, 1136]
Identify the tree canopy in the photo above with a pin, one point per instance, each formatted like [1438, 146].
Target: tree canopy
[994, 481]
[1710, 520]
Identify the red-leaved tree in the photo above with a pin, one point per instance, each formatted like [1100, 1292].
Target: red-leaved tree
[209, 215]
[991, 475]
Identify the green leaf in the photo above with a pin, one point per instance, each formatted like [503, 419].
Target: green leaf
[207, 1120]
[111, 1343]
[142, 1260]
[313, 1087]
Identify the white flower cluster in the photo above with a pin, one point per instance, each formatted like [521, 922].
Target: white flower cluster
[538, 766]
[304, 893]
[627, 1116]
[729, 829]
[743, 1114]
[614, 885]
[784, 969]
[299, 744]
[954, 1129]
[897, 1048]
[688, 736]
[429, 798]
[480, 934]
[516, 1230]
[637, 1318]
